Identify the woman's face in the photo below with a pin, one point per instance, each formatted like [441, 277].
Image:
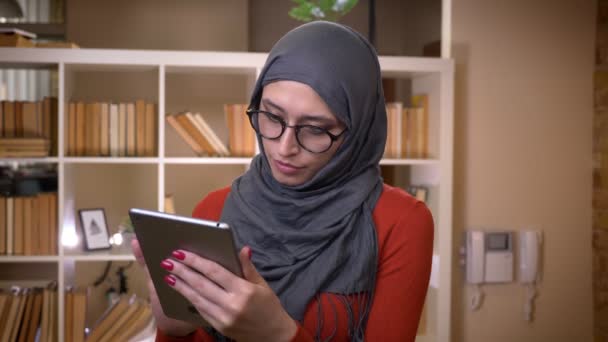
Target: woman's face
[297, 104]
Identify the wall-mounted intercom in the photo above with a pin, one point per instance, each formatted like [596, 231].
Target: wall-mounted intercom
[489, 258]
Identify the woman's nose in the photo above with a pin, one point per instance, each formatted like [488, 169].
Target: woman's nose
[288, 143]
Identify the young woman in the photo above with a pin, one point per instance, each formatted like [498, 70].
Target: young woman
[329, 252]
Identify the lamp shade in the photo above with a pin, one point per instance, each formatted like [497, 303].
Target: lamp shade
[10, 9]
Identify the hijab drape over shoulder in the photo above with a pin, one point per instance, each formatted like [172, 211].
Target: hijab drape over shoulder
[319, 236]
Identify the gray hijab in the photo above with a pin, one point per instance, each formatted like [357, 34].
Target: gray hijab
[319, 236]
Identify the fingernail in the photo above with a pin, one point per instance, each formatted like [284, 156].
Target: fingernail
[249, 253]
[166, 264]
[179, 255]
[169, 279]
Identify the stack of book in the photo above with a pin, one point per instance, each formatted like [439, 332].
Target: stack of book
[29, 314]
[407, 129]
[28, 224]
[28, 129]
[241, 134]
[197, 133]
[127, 319]
[111, 129]
[14, 37]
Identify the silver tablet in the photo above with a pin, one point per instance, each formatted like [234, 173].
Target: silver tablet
[160, 233]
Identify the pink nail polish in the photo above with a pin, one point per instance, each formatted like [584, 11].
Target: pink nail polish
[169, 279]
[249, 253]
[166, 264]
[179, 255]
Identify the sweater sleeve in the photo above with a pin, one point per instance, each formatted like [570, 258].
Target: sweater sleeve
[403, 275]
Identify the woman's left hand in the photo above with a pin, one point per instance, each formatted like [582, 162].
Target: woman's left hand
[244, 309]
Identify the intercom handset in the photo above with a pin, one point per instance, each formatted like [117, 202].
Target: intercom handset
[530, 242]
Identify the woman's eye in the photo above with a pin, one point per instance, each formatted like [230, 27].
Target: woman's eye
[316, 130]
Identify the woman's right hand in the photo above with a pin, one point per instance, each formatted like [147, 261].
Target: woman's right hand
[168, 326]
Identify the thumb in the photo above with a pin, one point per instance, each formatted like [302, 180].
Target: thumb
[249, 271]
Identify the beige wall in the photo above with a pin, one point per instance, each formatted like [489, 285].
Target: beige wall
[402, 27]
[523, 129]
[159, 24]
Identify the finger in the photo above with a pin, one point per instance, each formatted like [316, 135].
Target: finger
[210, 311]
[211, 270]
[249, 271]
[203, 286]
[139, 256]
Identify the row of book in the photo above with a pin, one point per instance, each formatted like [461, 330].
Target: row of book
[111, 129]
[28, 225]
[202, 139]
[128, 319]
[28, 128]
[407, 129]
[29, 314]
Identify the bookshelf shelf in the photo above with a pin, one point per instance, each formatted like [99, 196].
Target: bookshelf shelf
[387, 161]
[28, 258]
[207, 160]
[110, 160]
[100, 257]
[203, 82]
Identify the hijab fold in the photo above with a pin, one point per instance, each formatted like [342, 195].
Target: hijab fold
[319, 236]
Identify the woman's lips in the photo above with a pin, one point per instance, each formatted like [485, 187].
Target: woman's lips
[286, 168]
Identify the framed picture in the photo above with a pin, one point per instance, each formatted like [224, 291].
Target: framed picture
[94, 229]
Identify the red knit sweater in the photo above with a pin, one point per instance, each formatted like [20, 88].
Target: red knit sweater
[405, 246]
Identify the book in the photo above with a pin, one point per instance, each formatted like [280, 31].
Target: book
[131, 130]
[35, 315]
[171, 119]
[150, 139]
[96, 129]
[10, 317]
[68, 322]
[122, 129]
[121, 322]
[5, 304]
[138, 323]
[44, 318]
[140, 131]
[81, 127]
[35, 225]
[109, 318]
[10, 224]
[19, 316]
[2, 226]
[79, 303]
[9, 118]
[43, 223]
[26, 319]
[30, 118]
[114, 131]
[54, 230]
[186, 121]
[104, 121]
[421, 103]
[28, 236]
[71, 148]
[14, 37]
[18, 226]
[169, 204]
[210, 135]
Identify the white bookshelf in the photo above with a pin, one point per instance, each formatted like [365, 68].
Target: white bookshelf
[217, 78]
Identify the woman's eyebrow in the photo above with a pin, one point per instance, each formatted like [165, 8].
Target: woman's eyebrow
[305, 117]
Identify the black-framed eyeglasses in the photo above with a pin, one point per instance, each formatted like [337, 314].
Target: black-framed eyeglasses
[271, 126]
